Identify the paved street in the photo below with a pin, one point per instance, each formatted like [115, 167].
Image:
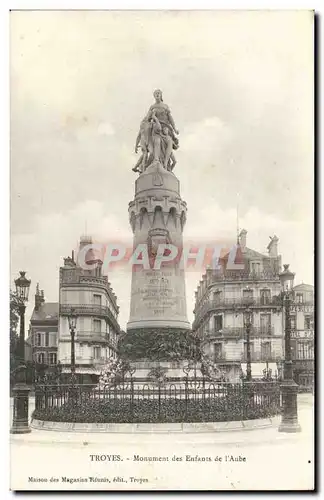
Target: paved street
[269, 459]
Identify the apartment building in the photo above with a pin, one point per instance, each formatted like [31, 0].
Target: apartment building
[43, 330]
[227, 298]
[89, 294]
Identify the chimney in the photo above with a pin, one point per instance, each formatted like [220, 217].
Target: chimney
[273, 246]
[242, 239]
[39, 297]
[84, 240]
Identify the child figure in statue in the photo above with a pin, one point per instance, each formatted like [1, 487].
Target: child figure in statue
[143, 141]
[167, 145]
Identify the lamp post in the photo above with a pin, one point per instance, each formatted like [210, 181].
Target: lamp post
[21, 390]
[289, 388]
[248, 325]
[72, 326]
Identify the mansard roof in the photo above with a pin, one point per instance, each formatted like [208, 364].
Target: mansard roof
[49, 311]
[303, 287]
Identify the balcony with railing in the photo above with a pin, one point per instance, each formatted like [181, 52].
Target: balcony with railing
[236, 304]
[234, 275]
[89, 310]
[302, 334]
[256, 357]
[85, 360]
[238, 333]
[92, 336]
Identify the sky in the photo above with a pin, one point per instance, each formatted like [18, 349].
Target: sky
[240, 88]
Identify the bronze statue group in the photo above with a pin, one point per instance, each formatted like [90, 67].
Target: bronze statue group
[157, 137]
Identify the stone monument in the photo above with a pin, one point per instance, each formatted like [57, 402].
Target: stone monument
[158, 311]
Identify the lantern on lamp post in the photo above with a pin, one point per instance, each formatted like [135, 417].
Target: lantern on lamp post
[289, 388]
[21, 390]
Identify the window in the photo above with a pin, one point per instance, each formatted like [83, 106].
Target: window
[255, 267]
[97, 325]
[251, 349]
[218, 323]
[52, 339]
[52, 358]
[265, 323]
[217, 351]
[41, 357]
[247, 295]
[97, 299]
[299, 298]
[96, 352]
[307, 322]
[38, 339]
[246, 318]
[265, 351]
[217, 296]
[293, 321]
[46, 339]
[80, 350]
[305, 350]
[265, 297]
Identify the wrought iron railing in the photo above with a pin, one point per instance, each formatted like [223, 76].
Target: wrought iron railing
[237, 303]
[243, 276]
[256, 357]
[191, 400]
[240, 332]
[89, 310]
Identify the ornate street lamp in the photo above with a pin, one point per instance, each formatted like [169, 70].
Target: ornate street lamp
[248, 325]
[72, 318]
[21, 390]
[289, 422]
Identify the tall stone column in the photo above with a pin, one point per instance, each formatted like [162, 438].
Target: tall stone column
[157, 216]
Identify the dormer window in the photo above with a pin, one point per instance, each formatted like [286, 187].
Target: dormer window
[255, 267]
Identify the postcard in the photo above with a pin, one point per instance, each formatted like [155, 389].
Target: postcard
[162, 284]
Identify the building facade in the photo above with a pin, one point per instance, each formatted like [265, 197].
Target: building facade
[302, 335]
[231, 295]
[43, 330]
[89, 293]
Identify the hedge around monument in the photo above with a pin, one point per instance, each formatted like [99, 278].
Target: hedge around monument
[163, 344]
[235, 408]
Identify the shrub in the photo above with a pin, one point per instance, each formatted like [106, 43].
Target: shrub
[235, 406]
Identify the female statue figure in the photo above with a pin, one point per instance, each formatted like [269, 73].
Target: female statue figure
[157, 136]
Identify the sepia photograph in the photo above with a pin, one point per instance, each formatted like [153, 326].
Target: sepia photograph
[162, 311]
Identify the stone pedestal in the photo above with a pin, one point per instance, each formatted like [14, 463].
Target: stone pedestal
[20, 424]
[289, 421]
[157, 217]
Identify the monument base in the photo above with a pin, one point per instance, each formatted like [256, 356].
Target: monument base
[157, 344]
